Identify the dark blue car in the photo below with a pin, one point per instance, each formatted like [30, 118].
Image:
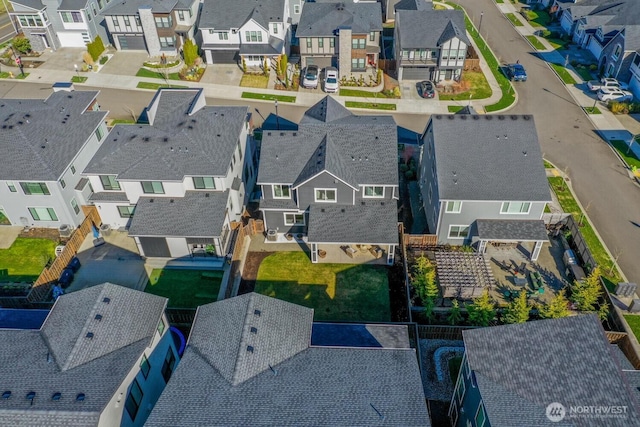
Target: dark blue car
[517, 73]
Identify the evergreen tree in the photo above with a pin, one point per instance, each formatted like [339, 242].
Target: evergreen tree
[482, 310]
[424, 279]
[558, 307]
[518, 310]
[190, 52]
[454, 315]
[587, 292]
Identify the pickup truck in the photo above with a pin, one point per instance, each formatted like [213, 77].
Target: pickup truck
[606, 83]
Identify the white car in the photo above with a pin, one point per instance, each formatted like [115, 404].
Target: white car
[606, 83]
[331, 84]
[619, 95]
[310, 80]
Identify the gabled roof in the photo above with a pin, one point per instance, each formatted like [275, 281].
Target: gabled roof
[413, 5]
[226, 14]
[131, 7]
[488, 157]
[32, 4]
[326, 158]
[325, 111]
[185, 137]
[72, 5]
[429, 28]
[324, 19]
[40, 138]
[520, 369]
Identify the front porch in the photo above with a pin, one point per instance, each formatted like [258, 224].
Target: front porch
[351, 254]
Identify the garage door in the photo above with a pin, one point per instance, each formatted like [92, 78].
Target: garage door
[320, 61]
[415, 73]
[226, 57]
[132, 43]
[155, 247]
[634, 86]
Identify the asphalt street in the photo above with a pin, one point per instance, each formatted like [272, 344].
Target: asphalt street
[6, 29]
[568, 140]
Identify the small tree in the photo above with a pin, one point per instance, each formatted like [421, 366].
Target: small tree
[21, 44]
[603, 312]
[265, 67]
[424, 279]
[454, 316]
[282, 68]
[587, 292]
[482, 310]
[558, 307]
[244, 65]
[95, 48]
[429, 304]
[518, 310]
[190, 52]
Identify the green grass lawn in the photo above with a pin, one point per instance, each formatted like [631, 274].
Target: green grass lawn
[592, 110]
[370, 105]
[564, 74]
[556, 43]
[185, 288]
[499, 1]
[122, 122]
[634, 324]
[259, 81]
[538, 18]
[514, 19]
[364, 94]
[25, 259]
[143, 72]
[537, 44]
[156, 86]
[479, 88]
[268, 97]
[79, 79]
[340, 292]
[583, 72]
[622, 148]
[455, 108]
[548, 165]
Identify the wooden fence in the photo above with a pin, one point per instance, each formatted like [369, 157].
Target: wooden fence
[387, 65]
[51, 274]
[252, 228]
[580, 244]
[421, 240]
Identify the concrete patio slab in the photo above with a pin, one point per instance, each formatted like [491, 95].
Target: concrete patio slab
[8, 235]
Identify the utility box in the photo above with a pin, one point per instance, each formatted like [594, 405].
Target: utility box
[635, 306]
[625, 289]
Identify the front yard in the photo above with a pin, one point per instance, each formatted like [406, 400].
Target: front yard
[476, 86]
[25, 259]
[337, 292]
[185, 288]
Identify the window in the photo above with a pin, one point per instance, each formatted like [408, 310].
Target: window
[616, 51]
[134, 399]
[145, 366]
[127, 22]
[204, 183]
[357, 63]
[222, 35]
[458, 231]
[126, 211]
[75, 206]
[161, 327]
[62, 183]
[332, 42]
[358, 43]
[71, 16]
[253, 36]
[35, 188]
[309, 45]
[166, 42]
[101, 4]
[168, 365]
[181, 15]
[372, 36]
[430, 193]
[12, 187]
[293, 219]
[109, 182]
[30, 21]
[115, 22]
[275, 28]
[99, 133]
[515, 207]
[325, 195]
[239, 150]
[164, 22]
[296, 9]
[152, 187]
[138, 22]
[43, 214]
[610, 70]
[373, 191]
[321, 42]
[461, 389]
[281, 192]
[454, 207]
[73, 170]
[480, 416]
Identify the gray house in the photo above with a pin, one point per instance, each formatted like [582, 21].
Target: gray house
[556, 372]
[47, 144]
[101, 358]
[335, 180]
[429, 44]
[482, 180]
[250, 361]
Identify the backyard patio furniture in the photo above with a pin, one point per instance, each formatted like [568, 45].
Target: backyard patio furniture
[351, 252]
[322, 253]
[519, 280]
[376, 251]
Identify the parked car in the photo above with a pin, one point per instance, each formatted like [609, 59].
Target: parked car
[619, 95]
[426, 89]
[310, 80]
[516, 72]
[66, 277]
[606, 83]
[331, 84]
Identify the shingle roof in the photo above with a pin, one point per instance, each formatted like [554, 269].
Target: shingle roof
[310, 386]
[109, 196]
[33, 4]
[130, 7]
[197, 214]
[40, 138]
[323, 19]
[226, 14]
[430, 28]
[488, 158]
[372, 222]
[521, 230]
[185, 138]
[413, 5]
[520, 369]
[72, 4]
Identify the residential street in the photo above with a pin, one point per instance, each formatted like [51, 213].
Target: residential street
[568, 139]
[6, 29]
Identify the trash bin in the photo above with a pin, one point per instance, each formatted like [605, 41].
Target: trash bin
[105, 229]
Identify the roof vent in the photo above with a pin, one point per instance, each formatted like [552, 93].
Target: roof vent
[488, 117]
[31, 395]
[527, 117]
[146, 139]
[322, 210]
[501, 117]
[376, 137]
[505, 136]
[254, 330]
[98, 317]
[206, 194]
[249, 349]
[80, 397]
[193, 120]
[524, 153]
[514, 117]
[165, 139]
[281, 133]
[190, 127]
[268, 133]
[150, 200]
[275, 372]
[381, 203]
[56, 396]
[463, 117]
[6, 395]
[89, 335]
[476, 117]
[451, 117]
[106, 300]
[49, 358]
[218, 135]
[171, 201]
[295, 133]
[438, 116]
[342, 210]
[257, 312]
[363, 203]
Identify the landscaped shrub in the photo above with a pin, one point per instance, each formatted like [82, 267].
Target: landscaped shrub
[87, 58]
[95, 48]
[104, 60]
[21, 44]
[190, 51]
[618, 107]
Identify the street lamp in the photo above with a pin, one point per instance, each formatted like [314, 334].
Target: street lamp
[277, 118]
[77, 72]
[480, 25]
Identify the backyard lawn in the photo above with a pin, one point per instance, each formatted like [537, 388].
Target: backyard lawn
[25, 259]
[634, 324]
[185, 288]
[338, 292]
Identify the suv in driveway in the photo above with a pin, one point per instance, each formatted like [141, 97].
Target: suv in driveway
[516, 72]
[426, 89]
[614, 94]
[331, 84]
[310, 80]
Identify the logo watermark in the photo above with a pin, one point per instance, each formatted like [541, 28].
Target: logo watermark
[557, 412]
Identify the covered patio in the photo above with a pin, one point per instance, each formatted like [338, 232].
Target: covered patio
[499, 232]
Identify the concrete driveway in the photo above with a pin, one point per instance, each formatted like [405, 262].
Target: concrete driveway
[125, 63]
[63, 59]
[222, 74]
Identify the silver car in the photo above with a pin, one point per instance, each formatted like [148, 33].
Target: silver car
[331, 84]
[310, 80]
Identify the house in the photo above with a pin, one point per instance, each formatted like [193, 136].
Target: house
[429, 44]
[250, 360]
[556, 372]
[247, 32]
[47, 144]
[159, 27]
[335, 180]
[634, 70]
[180, 181]
[345, 35]
[491, 187]
[101, 358]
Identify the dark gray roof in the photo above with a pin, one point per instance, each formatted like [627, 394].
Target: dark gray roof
[413, 5]
[323, 19]
[226, 14]
[60, 359]
[488, 157]
[273, 47]
[72, 4]
[197, 214]
[82, 182]
[371, 222]
[185, 137]
[512, 229]
[130, 7]
[33, 4]
[359, 335]
[520, 369]
[42, 137]
[278, 204]
[309, 386]
[109, 196]
[430, 28]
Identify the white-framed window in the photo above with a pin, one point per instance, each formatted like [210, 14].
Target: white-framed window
[373, 191]
[281, 191]
[164, 21]
[167, 42]
[204, 183]
[253, 36]
[293, 218]
[99, 133]
[126, 211]
[458, 231]
[152, 187]
[616, 52]
[35, 188]
[515, 208]
[73, 170]
[222, 35]
[12, 187]
[372, 36]
[63, 183]
[275, 28]
[74, 206]
[109, 183]
[481, 417]
[296, 9]
[181, 15]
[325, 195]
[454, 206]
[43, 214]
[30, 21]
[610, 69]
[460, 390]
[71, 16]
[321, 43]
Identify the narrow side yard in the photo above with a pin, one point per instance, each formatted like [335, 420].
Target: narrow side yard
[185, 288]
[25, 259]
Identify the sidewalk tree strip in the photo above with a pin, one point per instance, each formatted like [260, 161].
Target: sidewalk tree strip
[634, 323]
[156, 86]
[565, 76]
[478, 88]
[79, 79]
[143, 72]
[370, 105]
[364, 94]
[268, 97]
[548, 165]
[259, 81]
[455, 108]
[514, 19]
[592, 110]
[629, 156]
[537, 44]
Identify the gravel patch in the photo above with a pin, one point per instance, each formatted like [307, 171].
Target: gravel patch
[434, 389]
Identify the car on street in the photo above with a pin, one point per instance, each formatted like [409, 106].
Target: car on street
[516, 72]
[619, 95]
[606, 83]
[310, 80]
[331, 84]
[426, 89]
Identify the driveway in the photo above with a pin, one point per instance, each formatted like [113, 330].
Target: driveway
[125, 63]
[222, 74]
[62, 59]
